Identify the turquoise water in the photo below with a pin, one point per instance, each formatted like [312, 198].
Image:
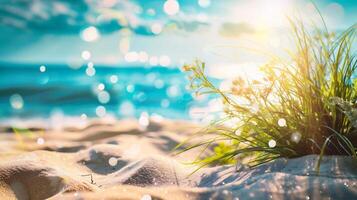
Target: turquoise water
[25, 91]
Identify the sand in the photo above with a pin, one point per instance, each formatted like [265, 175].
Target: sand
[111, 159]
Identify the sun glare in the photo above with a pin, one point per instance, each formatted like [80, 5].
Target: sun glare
[263, 14]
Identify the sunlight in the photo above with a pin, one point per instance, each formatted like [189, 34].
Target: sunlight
[263, 14]
[178, 99]
[249, 70]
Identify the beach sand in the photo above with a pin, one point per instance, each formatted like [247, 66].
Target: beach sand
[40, 162]
[123, 160]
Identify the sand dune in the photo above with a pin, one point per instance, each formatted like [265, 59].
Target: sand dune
[121, 160]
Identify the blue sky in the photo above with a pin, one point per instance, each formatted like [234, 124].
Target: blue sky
[141, 32]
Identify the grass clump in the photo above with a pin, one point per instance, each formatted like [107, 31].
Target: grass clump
[303, 105]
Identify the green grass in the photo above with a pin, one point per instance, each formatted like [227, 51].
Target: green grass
[305, 104]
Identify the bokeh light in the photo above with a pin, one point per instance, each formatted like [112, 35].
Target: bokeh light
[86, 55]
[121, 66]
[154, 60]
[103, 97]
[282, 122]
[165, 103]
[130, 88]
[127, 109]
[112, 161]
[204, 3]
[113, 79]
[143, 56]
[171, 7]
[146, 197]
[90, 34]
[83, 116]
[90, 71]
[272, 143]
[16, 101]
[100, 111]
[131, 56]
[156, 28]
[40, 141]
[144, 120]
[164, 60]
[42, 68]
[100, 86]
[295, 137]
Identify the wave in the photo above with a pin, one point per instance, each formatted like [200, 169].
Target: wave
[138, 89]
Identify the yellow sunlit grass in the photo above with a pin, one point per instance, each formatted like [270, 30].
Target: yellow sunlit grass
[304, 104]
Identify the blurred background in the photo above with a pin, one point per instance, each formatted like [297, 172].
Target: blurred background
[66, 59]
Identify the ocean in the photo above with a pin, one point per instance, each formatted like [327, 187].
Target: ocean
[28, 90]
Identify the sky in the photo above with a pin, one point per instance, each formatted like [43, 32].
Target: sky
[223, 33]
